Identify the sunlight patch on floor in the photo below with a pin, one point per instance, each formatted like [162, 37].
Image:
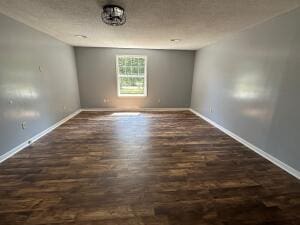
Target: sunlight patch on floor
[125, 114]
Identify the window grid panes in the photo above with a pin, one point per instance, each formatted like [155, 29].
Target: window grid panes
[131, 71]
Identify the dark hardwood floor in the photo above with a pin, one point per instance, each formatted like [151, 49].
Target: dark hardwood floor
[150, 168]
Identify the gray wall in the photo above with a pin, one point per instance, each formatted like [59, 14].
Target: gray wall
[39, 98]
[169, 78]
[250, 84]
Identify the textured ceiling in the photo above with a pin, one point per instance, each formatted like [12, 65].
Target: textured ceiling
[150, 23]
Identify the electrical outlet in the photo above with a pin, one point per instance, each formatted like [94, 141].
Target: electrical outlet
[158, 100]
[40, 69]
[23, 125]
[211, 109]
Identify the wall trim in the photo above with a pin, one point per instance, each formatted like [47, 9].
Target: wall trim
[259, 151]
[134, 109]
[36, 137]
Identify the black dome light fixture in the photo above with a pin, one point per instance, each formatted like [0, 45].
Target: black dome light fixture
[113, 15]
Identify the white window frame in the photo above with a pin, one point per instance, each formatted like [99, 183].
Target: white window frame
[119, 76]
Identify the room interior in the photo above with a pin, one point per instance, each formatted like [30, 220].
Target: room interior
[162, 112]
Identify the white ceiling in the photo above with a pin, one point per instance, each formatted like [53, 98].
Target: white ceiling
[150, 23]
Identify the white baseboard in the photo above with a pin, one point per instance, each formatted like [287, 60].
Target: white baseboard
[36, 137]
[134, 109]
[259, 151]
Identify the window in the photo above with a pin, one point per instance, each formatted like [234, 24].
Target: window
[132, 75]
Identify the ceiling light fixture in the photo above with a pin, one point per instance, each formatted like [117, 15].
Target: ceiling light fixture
[80, 36]
[175, 40]
[113, 15]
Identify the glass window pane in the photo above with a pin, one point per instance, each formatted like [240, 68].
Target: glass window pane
[122, 70]
[131, 85]
[135, 70]
[135, 61]
[128, 70]
[122, 61]
[128, 61]
[141, 61]
[141, 71]
[131, 66]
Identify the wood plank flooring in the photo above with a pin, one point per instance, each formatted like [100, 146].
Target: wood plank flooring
[150, 168]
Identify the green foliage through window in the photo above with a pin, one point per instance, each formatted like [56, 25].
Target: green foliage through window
[131, 75]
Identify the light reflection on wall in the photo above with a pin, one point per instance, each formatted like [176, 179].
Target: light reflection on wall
[248, 87]
[24, 114]
[251, 90]
[18, 91]
[258, 113]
